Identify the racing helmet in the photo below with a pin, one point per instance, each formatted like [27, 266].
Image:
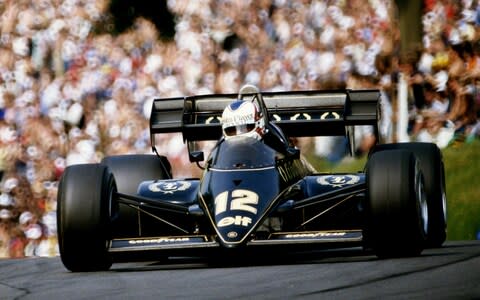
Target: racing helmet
[242, 118]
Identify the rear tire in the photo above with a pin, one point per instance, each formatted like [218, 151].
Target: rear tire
[431, 164]
[129, 171]
[396, 205]
[84, 212]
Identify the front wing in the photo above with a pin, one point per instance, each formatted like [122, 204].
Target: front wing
[191, 244]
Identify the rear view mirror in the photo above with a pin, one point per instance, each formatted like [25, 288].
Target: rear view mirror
[194, 152]
[196, 156]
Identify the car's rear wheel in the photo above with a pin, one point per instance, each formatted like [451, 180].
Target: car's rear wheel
[84, 213]
[431, 164]
[129, 171]
[396, 204]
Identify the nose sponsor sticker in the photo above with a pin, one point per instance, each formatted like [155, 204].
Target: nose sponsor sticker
[338, 180]
[169, 187]
[232, 234]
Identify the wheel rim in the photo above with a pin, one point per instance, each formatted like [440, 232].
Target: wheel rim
[421, 199]
[444, 203]
[111, 192]
[423, 205]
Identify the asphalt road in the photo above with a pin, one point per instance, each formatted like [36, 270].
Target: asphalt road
[450, 272]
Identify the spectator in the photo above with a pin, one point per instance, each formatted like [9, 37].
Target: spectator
[430, 123]
[462, 111]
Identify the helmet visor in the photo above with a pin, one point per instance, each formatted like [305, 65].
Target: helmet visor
[239, 129]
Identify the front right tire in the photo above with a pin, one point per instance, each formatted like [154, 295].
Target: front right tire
[86, 206]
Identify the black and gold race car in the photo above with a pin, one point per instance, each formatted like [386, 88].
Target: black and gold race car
[253, 194]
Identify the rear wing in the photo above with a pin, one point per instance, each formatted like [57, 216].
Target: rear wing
[297, 113]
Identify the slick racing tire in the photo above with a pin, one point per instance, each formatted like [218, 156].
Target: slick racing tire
[431, 164]
[396, 204]
[129, 171]
[84, 212]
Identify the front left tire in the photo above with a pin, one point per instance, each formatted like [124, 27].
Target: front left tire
[431, 164]
[396, 205]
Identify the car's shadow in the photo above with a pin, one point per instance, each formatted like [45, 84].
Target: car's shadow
[272, 258]
[250, 259]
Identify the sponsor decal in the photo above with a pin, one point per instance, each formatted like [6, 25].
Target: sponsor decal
[238, 120]
[299, 116]
[232, 234]
[169, 187]
[338, 180]
[163, 240]
[314, 235]
[318, 235]
[153, 242]
[330, 115]
[237, 220]
[213, 120]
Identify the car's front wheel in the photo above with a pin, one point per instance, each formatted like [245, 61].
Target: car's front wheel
[431, 164]
[84, 213]
[396, 204]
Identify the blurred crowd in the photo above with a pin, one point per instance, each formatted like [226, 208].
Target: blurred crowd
[443, 74]
[71, 92]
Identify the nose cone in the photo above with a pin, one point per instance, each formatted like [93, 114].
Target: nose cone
[233, 230]
[239, 187]
[236, 214]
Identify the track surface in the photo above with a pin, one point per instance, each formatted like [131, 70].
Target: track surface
[451, 272]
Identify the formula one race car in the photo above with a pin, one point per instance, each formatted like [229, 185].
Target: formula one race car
[256, 191]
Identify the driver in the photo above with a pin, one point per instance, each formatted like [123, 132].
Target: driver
[243, 118]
